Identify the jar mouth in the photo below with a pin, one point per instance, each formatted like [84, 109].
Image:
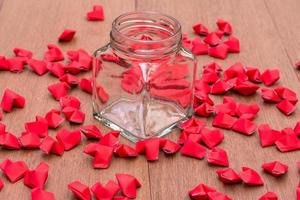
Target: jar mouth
[149, 32]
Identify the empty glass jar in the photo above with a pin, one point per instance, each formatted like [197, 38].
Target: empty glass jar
[143, 80]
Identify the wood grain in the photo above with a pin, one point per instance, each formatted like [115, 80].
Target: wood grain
[268, 31]
[171, 178]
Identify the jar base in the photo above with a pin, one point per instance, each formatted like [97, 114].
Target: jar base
[138, 121]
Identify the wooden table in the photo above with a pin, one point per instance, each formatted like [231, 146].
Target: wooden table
[269, 35]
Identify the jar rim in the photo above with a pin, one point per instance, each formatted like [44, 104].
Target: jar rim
[176, 32]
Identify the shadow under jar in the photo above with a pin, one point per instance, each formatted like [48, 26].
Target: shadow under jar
[143, 80]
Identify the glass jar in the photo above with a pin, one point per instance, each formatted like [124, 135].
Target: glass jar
[143, 80]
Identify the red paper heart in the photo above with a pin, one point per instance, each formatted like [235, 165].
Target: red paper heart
[244, 126]
[270, 76]
[105, 192]
[91, 132]
[150, 147]
[69, 139]
[102, 94]
[73, 115]
[58, 90]
[193, 149]
[251, 177]
[67, 35]
[39, 128]
[224, 26]
[218, 196]
[269, 196]
[97, 14]
[128, 184]
[9, 141]
[219, 51]
[245, 88]
[86, 85]
[49, 145]
[53, 54]
[38, 66]
[81, 61]
[198, 47]
[223, 120]
[125, 151]
[200, 29]
[40, 194]
[69, 101]
[247, 111]
[16, 64]
[110, 139]
[193, 125]
[212, 39]
[286, 107]
[11, 99]
[103, 157]
[4, 64]
[30, 140]
[70, 79]
[73, 67]
[37, 177]
[80, 190]
[14, 171]
[200, 192]
[168, 146]
[211, 138]
[19, 52]
[56, 69]
[275, 168]
[228, 176]
[218, 156]
[233, 44]
[269, 95]
[286, 94]
[268, 136]
[289, 142]
[54, 118]
[92, 148]
[220, 87]
[253, 74]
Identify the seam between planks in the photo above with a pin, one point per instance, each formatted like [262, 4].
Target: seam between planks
[281, 39]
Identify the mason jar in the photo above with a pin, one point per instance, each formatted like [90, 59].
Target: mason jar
[143, 79]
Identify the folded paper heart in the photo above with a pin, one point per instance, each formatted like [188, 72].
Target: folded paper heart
[268, 136]
[275, 168]
[150, 147]
[125, 151]
[193, 149]
[58, 90]
[67, 35]
[80, 60]
[11, 99]
[228, 176]
[38, 66]
[269, 196]
[251, 177]
[38, 127]
[70, 79]
[200, 29]
[56, 69]
[91, 132]
[218, 156]
[128, 185]
[270, 76]
[80, 190]
[20, 52]
[9, 141]
[69, 139]
[30, 140]
[211, 138]
[14, 171]
[40, 194]
[224, 26]
[73, 115]
[105, 192]
[53, 54]
[97, 14]
[54, 119]
[86, 85]
[168, 146]
[199, 47]
[49, 145]
[37, 178]
[16, 64]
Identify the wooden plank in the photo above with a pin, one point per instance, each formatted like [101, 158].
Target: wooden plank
[33, 24]
[286, 19]
[172, 177]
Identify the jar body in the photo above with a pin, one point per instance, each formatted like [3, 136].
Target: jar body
[143, 96]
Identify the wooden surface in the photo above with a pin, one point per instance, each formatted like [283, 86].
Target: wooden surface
[269, 35]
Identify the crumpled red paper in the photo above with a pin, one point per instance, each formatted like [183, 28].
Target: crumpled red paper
[269, 196]
[54, 118]
[30, 140]
[228, 176]
[244, 126]
[253, 74]
[97, 14]
[288, 142]
[150, 147]
[193, 125]
[39, 128]
[37, 177]
[128, 185]
[251, 177]
[269, 95]
[247, 111]
[193, 149]
[49, 145]
[86, 85]
[270, 76]
[38, 66]
[286, 107]
[53, 54]
[66, 35]
[105, 192]
[9, 141]
[168, 146]
[211, 138]
[267, 135]
[91, 132]
[69, 101]
[56, 69]
[212, 39]
[14, 171]
[58, 90]
[73, 115]
[219, 51]
[80, 190]
[40, 194]
[20, 52]
[245, 88]
[92, 148]
[200, 29]
[218, 156]
[200, 192]
[81, 61]
[103, 157]
[286, 94]
[11, 99]
[275, 168]
[223, 120]
[124, 151]
[220, 87]
[70, 79]
[233, 44]
[69, 139]
[224, 26]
